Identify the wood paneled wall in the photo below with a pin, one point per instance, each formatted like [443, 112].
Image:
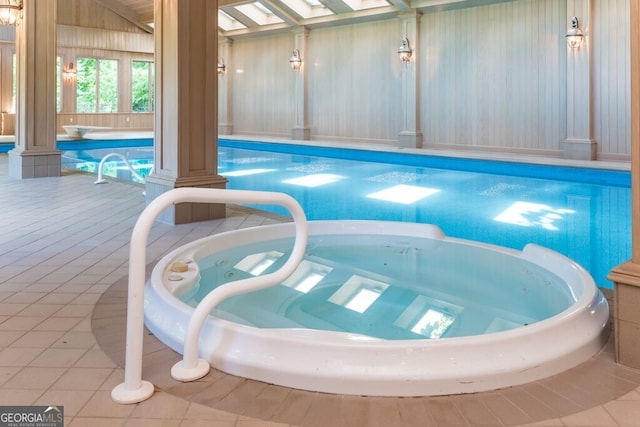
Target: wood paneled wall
[92, 14]
[132, 121]
[85, 29]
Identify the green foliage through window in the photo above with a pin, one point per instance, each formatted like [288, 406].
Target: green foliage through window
[97, 85]
[142, 86]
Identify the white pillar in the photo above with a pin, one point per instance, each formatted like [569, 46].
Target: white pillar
[225, 116]
[411, 133]
[579, 143]
[301, 130]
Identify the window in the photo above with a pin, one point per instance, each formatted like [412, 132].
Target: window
[97, 85]
[142, 86]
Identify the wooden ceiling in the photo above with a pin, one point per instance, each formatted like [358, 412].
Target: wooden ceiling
[243, 17]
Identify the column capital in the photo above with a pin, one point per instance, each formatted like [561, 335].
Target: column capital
[301, 29]
[627, 273]
[411, 14]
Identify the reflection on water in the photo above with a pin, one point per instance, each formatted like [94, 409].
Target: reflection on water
[590, 223]
[386, 287]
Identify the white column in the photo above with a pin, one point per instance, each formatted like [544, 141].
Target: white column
[579, 143]
[35, 154]
[411, 134]
[301, 130]
[225, 116]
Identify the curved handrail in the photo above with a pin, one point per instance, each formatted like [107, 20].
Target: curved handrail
[134, 389]
[101, 180]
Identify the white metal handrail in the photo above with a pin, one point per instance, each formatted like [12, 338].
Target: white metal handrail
[134, 389]
[101, 180]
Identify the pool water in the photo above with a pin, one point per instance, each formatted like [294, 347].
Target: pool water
[386, 287]
[584, 214]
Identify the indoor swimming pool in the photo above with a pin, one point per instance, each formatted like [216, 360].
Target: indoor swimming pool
[584, 214]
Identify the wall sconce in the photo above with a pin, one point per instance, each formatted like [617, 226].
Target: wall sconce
[10, 12]
[574, 35]
[404, 51]
[221, 67]
[69, 73]
[296, 60]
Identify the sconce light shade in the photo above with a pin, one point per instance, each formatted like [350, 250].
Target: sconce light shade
[221, 67]
[296, 60]
[69, 73]
[574, 34]
[404, 51]
[10, 11]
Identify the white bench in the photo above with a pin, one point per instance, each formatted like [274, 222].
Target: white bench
[78, 131]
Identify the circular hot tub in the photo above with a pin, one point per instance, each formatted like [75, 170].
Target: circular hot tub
[381, 309]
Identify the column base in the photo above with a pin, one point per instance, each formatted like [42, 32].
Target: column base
[303, 134]
[580, 149]
[40, 164]
[184, 213]
[626, 294]
[410, 139]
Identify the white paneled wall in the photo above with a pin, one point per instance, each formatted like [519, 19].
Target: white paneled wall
[492, 78]
[354, 89]
[611, 67]
[263, 85]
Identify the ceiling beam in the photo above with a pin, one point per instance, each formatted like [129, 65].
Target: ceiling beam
[119, 9]
[280, 12]
[239, 16]
[337, 6]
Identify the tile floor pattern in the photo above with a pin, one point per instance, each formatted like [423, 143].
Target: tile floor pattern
[63, 256]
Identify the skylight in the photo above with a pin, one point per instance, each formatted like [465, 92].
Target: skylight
[308, 8]
[366, 4]
[259, 14]
[227, 22]
[262, 8]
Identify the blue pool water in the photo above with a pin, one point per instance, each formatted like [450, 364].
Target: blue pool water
[584, 214]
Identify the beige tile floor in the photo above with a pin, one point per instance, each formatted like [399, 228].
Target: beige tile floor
[64, 254]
